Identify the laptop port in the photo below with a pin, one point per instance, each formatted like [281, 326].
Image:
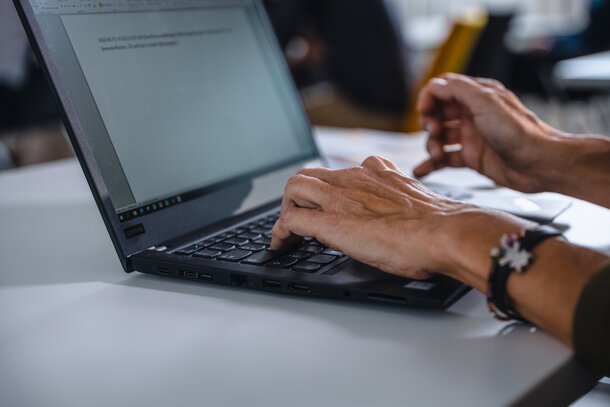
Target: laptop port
[164, 272]
[300, 289]
[272, 284]
[204, 276]
[389, 299]
[238, 280]
[189, 274]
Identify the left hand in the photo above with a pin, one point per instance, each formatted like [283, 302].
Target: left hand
[374, 214]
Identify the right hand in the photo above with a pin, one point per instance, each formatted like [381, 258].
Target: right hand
[499, 137]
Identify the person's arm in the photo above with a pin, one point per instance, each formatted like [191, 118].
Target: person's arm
[592, 323]
[503, 140]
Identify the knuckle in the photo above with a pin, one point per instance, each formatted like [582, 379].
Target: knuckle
[295, 180]
[490, 93]
[497, 84]
[373, 161]
[450, 76]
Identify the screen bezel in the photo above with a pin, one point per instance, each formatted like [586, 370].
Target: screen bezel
[174, 221]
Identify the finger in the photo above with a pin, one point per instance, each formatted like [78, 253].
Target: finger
[427, 102]
[296, 222]
[452, 87]
[451, 111]
[453, 159]
[435, 149]
[453, 124]
[323, 174]
[491, 83]
[309, 192]
[427, 167]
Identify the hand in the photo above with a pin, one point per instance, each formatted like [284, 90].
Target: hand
[377, 215]
[499, 137]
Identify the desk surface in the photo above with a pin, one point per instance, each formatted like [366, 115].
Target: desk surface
[77, 331]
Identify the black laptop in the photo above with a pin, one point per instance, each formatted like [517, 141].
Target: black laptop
[187, 125]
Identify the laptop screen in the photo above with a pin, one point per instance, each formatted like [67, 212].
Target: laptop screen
[176, 97]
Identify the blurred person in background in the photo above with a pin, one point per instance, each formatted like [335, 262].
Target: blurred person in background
[29, 120]
[352, 45]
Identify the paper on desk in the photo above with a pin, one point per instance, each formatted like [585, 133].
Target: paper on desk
[344, 148]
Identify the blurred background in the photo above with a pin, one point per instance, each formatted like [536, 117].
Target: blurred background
[360, 63]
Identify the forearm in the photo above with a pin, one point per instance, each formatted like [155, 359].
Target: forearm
[547, 294]
[578, 166]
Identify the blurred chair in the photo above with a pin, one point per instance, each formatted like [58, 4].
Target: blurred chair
[453, 56]
[490, 57]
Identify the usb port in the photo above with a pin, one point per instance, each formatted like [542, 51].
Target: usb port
[164, 271]
[189, 274]
[238, 280]
[204, 276]
[273, 284]
[300, 289]
[390, 299]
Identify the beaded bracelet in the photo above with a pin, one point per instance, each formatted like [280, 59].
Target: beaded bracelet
[513, 255]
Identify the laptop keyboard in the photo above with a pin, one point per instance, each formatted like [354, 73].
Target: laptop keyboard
[250, 244]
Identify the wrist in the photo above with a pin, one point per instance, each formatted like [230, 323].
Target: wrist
[470, 238]
[570, 159]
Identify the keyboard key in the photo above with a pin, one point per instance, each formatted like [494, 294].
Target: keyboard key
[312, 248]
[250, 235]
[222, 247]
[260, 231]
[300, 254]
[190, 249]
[207, 253]
[307, 267]
[263, 240]
[235, 255]
[284, 261]
[252, 246]
[332, 252]
[226, 235]
[240, 229]
[238, 241]
[207, 242]
[322, 258]
[261, 257]
[268, 225]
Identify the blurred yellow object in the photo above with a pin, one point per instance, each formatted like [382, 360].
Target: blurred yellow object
[452, 56]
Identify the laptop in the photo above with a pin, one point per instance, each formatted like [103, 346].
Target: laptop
[187, 125]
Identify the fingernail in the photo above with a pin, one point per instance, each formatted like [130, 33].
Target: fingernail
[434, 151]
[440, 81]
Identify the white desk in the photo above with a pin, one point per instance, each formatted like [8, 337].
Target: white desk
[586, 72]
[77, 331]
